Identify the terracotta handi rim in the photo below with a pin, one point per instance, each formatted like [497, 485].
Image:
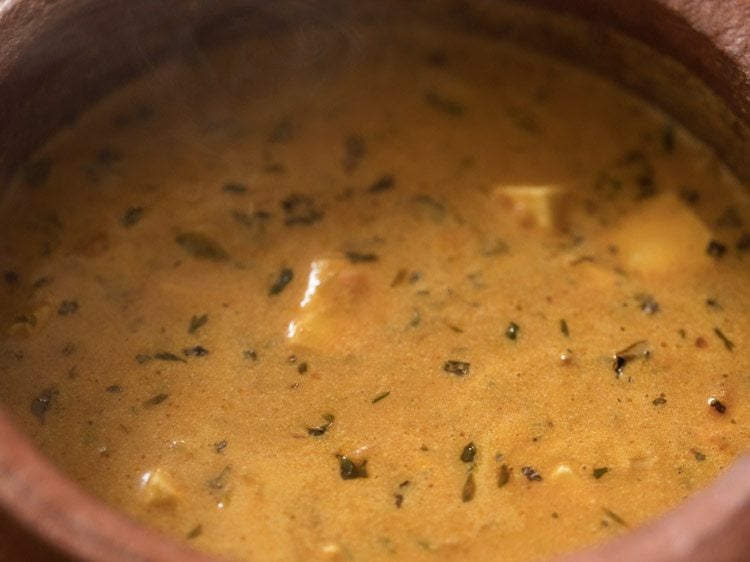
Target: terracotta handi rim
[44, 499]
[712, 526]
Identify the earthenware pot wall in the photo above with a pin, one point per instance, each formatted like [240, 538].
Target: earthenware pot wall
[58, 57]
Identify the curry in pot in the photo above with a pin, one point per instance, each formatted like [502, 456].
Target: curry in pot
[438, 299]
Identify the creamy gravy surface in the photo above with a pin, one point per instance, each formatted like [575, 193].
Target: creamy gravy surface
[439, 299]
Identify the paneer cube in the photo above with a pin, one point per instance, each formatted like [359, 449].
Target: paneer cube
[540, 206]
[646, 245]
[158, 488]
[332, 306]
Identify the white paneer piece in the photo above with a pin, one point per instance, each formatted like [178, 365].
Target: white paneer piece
[327, 312]
[534, 206]
[646, 246]
[158, 488]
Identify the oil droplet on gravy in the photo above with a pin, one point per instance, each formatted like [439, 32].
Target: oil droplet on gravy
[449, 299]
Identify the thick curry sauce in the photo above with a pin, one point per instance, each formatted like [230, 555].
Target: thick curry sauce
[439, 299]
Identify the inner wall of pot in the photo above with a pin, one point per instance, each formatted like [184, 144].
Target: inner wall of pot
[61, 57]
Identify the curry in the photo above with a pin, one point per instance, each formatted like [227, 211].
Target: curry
[437, 299]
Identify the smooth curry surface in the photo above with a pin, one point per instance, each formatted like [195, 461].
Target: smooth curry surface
[438, 299]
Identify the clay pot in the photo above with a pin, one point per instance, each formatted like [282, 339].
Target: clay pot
[690, 57]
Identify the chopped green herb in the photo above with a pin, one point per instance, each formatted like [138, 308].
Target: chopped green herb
[399, 278]
[523, 120]
[607, 184]
[168, 356]
[398, 499]
[220, 487]
[444, 104]
[381, 396]
[114, 389]
[41, 282]
[103, 164]
[274, 168]
[699, 456]
[493, 246]
[531, 474]
[717, 405]
[219, 446]
[300, 209]
[42, 403]
[503, 475]
[302, 368]
[220, 482]
[132, 216]
[195, 532]
[29, 319]
[195, 351]
[511, 332]
[319, 430]
[155, 400]
[234, 187]
[350, 470]
[458, 368]
[354, 152]
[141, 358]
[637, 350]
[728, 344]
[599, 472]
[469, 489]
[619, 364]
[642, 169]
[648, 304]
[201, 246]
[255, 221]
[689, 195]
[616, 518]
[469, 453]
[383, 183]
[659, 400]
[416, 318]
[67, 308]
[713, 303]
[359, 257]
[285, 277]
[250, 354]
[429, 208]
[564, 328]
[197, 322]
[716, 249]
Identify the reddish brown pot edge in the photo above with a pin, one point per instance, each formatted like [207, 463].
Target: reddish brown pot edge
[40, 496]
[712, 39]
[709, 38]
[713, 526]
